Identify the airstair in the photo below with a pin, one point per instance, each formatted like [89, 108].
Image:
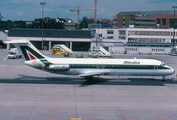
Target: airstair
[98, 50]
[62, 48]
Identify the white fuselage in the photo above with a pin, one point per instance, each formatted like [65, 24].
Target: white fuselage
[118, 67]
[85, 67]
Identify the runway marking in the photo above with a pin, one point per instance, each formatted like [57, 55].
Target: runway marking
[5, 58]
[94, 107]
[20, 117]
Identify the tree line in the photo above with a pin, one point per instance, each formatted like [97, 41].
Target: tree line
[48, 23]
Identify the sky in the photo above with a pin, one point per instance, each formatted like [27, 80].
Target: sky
[31, 9]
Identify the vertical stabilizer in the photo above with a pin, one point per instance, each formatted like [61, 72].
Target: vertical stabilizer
[27, 49]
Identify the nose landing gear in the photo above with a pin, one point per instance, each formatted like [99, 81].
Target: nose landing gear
[165, 79]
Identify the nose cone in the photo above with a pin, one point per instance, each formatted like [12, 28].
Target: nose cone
[172, 71]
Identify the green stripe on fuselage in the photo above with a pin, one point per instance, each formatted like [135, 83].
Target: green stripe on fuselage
[97, 66]
[44, 61]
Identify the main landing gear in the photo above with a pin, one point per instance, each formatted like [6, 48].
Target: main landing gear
[89, 78]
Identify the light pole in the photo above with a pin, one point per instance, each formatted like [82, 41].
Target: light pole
[96, 39]
[42, 3]
[174, 7]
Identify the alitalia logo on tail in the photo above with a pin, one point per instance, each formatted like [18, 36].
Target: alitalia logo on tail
[30, 54]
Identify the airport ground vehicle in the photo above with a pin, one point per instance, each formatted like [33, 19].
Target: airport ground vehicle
[14, 53]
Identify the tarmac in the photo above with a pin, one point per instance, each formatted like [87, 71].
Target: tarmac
[30, 94]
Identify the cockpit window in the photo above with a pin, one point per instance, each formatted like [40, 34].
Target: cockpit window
[162, 64]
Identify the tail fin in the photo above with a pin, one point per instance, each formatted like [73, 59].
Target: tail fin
[26, 48]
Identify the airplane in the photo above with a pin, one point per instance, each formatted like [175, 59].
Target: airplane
[89, 67]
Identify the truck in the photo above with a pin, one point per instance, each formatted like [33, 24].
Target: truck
[14, 54]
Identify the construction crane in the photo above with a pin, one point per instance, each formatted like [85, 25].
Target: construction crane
[78, 13]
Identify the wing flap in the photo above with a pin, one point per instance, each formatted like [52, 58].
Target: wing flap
[92, 73]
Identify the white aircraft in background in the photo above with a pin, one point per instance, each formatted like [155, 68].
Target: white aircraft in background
[88, 67]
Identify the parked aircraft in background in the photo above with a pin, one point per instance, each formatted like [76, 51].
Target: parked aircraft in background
[88, 67]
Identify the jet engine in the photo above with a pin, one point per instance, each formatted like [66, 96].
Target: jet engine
[58, 67]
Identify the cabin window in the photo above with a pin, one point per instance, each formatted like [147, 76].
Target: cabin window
[155, 67]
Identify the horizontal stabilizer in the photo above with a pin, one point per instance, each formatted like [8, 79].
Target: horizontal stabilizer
[17, 42]
[27, 49]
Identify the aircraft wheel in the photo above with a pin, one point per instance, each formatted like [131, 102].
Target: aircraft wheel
[164, 78]
[89, 78]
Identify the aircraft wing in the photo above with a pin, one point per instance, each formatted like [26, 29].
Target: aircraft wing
[93, 73]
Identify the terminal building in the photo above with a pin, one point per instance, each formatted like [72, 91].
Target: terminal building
[136, 40]
[3, 37]
[73, 39]
[145, 19]
[131, 40]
